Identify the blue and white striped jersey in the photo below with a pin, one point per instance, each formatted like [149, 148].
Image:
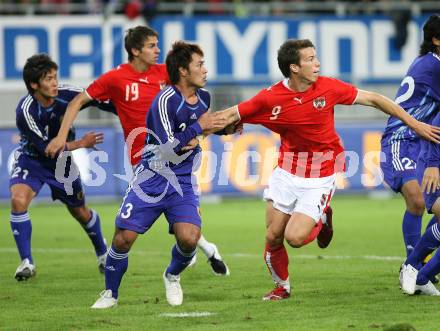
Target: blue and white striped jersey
[419, 95]
[39, 125]
[171, 124]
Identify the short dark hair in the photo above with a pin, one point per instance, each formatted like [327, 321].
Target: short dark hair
[180, 56]
[37, 67]
[289, 54]
[135, 38]
[431, 29]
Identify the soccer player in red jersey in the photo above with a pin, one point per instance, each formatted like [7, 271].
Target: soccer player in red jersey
[300, 109]
[131, 87]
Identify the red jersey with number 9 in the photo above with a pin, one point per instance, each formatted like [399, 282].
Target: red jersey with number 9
[132, 94]
[310, 146]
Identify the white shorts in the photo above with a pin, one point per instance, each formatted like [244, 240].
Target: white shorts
[290, 193]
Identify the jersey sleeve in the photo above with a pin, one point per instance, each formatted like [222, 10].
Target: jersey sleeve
[435, 82]
[29, 126]
[347, 93]
[162, 116]
[251, 110]
[433, 155]
[99, 89]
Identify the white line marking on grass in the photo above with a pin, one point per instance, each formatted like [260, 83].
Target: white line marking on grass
[237, 255]
[192, 314]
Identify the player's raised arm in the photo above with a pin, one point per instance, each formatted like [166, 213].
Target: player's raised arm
[426, 131]
[57, 144]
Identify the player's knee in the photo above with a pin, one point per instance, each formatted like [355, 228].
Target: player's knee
[273, 240]
[122, 243]
[188, 240]
[19, 203]
[416, 206]
[295, 240]
[81, 214]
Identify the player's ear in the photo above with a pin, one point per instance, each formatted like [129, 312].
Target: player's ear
[436, 41]
[183, 72]
[34, 86]
[135, 52]
[294, 68]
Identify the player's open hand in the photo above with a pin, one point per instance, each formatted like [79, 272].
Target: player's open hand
[428, 132]
[212, 122]
[55, 146]
[430, 182]
[90, 139]
[193, 143]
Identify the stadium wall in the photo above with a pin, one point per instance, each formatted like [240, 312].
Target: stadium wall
[240, 52]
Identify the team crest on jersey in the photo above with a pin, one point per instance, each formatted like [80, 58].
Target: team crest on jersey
[319, 103]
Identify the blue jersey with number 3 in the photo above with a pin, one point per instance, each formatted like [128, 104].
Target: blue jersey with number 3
[419, 95]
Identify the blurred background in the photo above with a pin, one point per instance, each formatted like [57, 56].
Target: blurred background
[367, 43]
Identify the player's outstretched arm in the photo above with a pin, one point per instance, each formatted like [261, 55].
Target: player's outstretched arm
[230, 117]
[426, 131]
[89, 140]
[57, 144]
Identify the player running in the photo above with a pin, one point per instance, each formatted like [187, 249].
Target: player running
[301, 109]
[38, 117]
[132, 87]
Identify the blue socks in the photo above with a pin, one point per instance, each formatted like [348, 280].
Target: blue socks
[22, 230]
[93, 229]
[432, 268]
[429, 241]
[115, 267]
[179, 259]
[411, 228]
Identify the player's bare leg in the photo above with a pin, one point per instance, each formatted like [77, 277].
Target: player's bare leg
[115, 267]
[21, 197]
[275, 254]
[90, 221]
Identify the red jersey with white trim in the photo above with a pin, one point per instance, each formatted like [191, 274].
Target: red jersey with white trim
[132, 94]
[310, 146]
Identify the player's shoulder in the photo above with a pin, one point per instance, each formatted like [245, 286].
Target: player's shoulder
[68, 92]
[26, 104]
[158, 72]
[276, 87]
[434, 60]
[204, 94]
[168, 94]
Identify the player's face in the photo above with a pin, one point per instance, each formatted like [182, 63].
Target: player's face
[47, 86]
[197, 72]
[309, 65]
[149, 54]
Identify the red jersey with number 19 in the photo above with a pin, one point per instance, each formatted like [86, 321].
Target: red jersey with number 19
[132, 93]
[310, 146]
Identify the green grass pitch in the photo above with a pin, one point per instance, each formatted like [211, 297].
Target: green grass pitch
[351, 285]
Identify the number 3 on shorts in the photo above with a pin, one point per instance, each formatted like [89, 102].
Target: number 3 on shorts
[129, 207]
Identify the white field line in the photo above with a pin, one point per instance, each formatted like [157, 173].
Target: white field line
[190, 314]
[236, 255]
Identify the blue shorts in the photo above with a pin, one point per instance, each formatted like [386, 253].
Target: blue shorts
[430, 198]
[145, 201]
[399, 163]
[32, 173]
